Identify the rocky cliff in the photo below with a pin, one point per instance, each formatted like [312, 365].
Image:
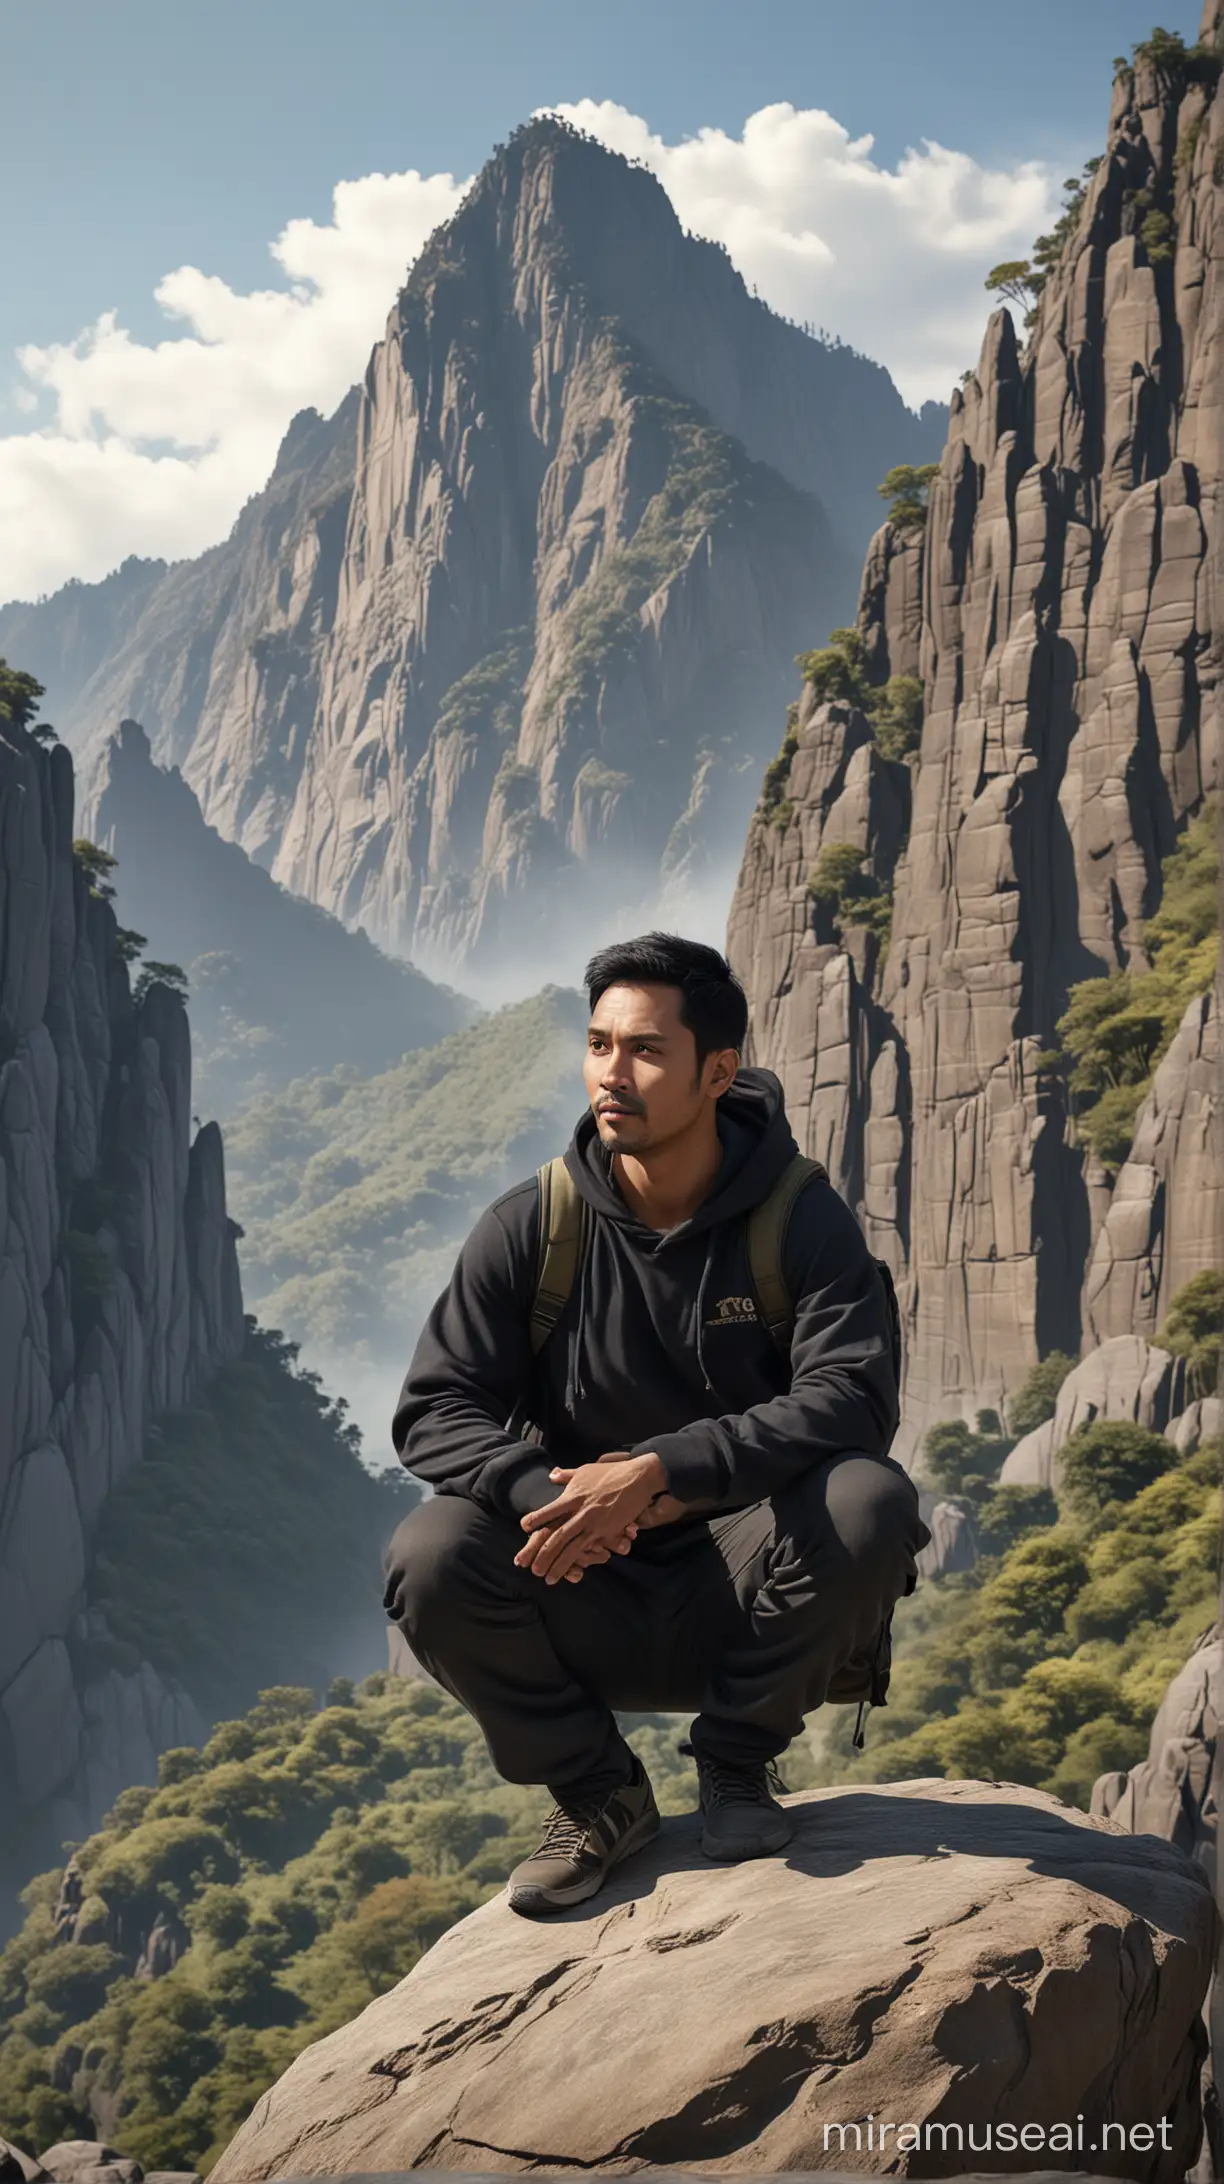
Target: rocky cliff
[187, 648]
[516, 619]
[119, 1297]
[1061, 612]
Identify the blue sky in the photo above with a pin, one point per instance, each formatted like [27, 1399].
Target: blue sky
[149, 132]
[182, 274]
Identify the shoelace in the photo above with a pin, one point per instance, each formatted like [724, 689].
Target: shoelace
[566, 1826]
[734, 1785]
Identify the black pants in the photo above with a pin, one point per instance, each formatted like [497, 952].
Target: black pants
[744, 1616]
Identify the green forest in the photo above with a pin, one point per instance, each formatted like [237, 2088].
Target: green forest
[305, 1859]
[354, 1190]
[1047, 1661]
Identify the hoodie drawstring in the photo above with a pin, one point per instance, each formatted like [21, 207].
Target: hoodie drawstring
[575, 1391]
[701, 1293]
[575, 1387]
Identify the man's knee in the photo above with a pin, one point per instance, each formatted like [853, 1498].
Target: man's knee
[431, 1556]
[862, 1509]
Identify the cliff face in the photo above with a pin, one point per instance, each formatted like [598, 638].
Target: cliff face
[119, 1296]
[507, 632]
[1063, 609]
[220, 653]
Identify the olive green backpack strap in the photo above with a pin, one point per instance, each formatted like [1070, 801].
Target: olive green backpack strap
[561, 1219]
[766, 1236]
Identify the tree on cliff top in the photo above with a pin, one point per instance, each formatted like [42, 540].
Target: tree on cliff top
[906, 488]
[19, 696]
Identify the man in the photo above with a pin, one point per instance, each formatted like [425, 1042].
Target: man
[658, 1510]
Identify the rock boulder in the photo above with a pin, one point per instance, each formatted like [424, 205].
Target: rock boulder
[1126, 1379]
[929, 1952]
[1172, 1792]
[88, 2161]
[953, 1543]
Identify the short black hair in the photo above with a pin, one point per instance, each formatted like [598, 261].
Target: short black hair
[713, 1006]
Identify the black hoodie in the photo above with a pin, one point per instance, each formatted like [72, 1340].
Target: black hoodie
[660, 1345]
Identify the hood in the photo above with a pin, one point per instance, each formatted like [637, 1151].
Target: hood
[757, 1141]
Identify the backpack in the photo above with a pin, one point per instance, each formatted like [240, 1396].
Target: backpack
[864, 1678]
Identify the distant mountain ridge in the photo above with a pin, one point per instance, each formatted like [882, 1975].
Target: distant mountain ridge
[505, 633]
[278, 988]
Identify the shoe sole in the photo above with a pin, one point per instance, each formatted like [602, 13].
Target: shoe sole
[530, 1901]
[763, 1847]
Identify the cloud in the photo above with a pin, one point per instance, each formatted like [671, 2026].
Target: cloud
[152, 448]
[891, 260]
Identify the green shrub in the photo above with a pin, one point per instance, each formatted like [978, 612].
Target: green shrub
[97, 865]
[964, 1460]
[1030, 1595]
[1188, 144]
[1110, 1461]
[774, 799]
[1110, 1606]
[220, 1914]
[129, 943]
[1193, 1327]
[19, 696]
[1048, 249]
[162, 1861]
[489, 697]
[1177, 64]
[1156, 235]
[1116, 1028]
[1037, 1398]
[1013, 280]
[1096, 1748]
[1008, 1514]
[517, 785]
[835, 671]
[906, 488]
[848, 894]
[71, 1983]
[896, 716]
[1109, 1125]
[160, 974]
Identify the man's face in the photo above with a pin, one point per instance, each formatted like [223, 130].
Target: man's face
[641, 1070]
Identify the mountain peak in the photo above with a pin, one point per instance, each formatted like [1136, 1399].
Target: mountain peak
[507, 630]
[552, 185]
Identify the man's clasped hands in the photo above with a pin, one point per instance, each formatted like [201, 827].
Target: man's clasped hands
[599, 1513]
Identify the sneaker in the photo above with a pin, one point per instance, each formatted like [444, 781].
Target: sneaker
[587, 1832]
[741, 1818]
